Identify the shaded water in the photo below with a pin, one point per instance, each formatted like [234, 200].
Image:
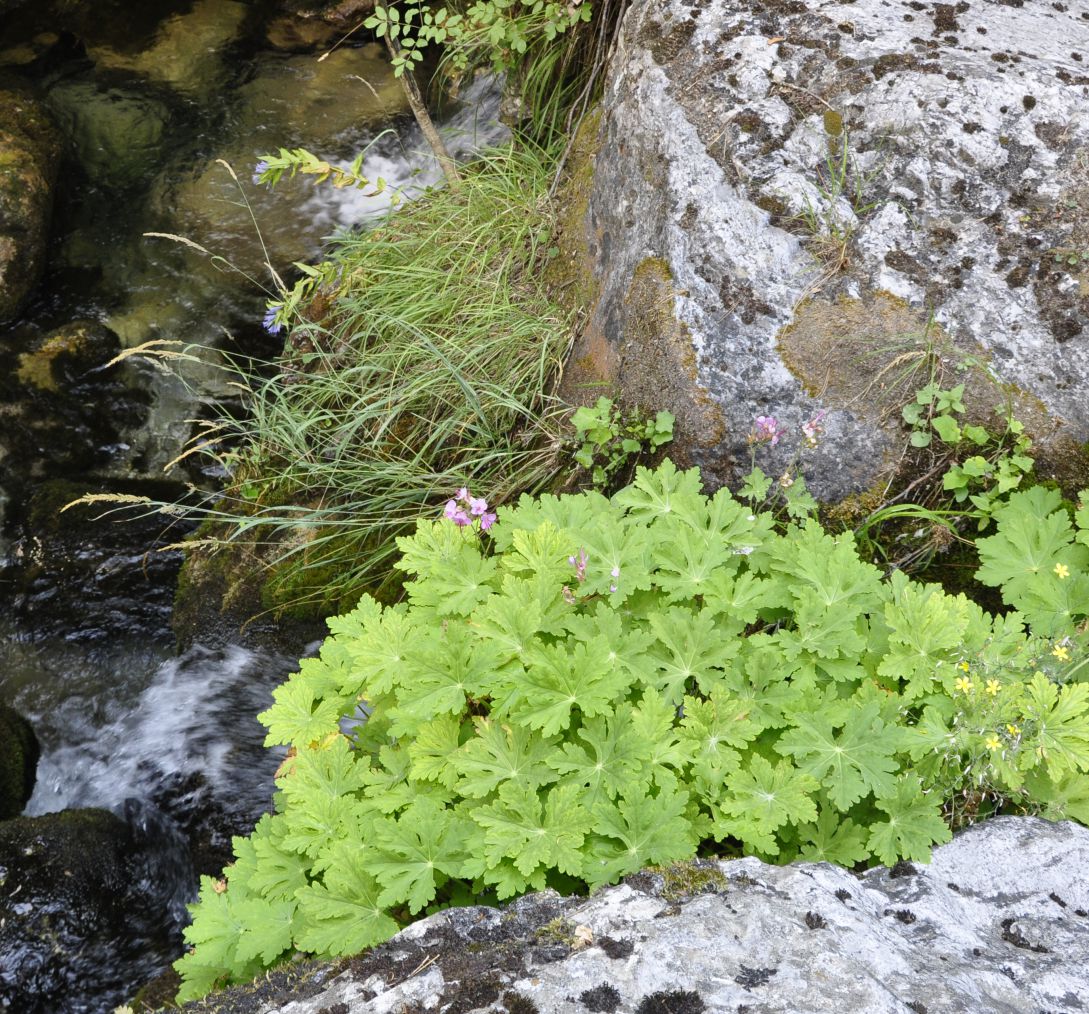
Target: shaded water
[165, 106]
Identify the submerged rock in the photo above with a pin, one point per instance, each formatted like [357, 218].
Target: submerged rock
[804, 207]
[67, 356]
[89, 905]
[18, 761]
[189, 50]
[29, 154]
[117, 132]
[997, 922]
[61, 403]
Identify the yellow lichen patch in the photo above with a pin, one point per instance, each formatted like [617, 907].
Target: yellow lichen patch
[871, 355]
[684, 880]
[36, 368]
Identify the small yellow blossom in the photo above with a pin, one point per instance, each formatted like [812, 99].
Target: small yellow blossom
[1062, 570]
[993, 686]
[1061, 653]
[964, 685]
[1013, 730]
[993, 743]
[963, 666]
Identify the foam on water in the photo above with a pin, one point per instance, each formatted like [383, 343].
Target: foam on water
[407, 164]
[194, 716]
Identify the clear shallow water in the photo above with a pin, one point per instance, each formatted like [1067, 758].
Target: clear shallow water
[167, 106]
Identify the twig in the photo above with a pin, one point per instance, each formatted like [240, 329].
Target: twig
[423, 117]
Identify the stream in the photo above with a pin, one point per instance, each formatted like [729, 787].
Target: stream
[164, 107]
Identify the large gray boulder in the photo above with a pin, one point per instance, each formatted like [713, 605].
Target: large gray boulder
[997, 922]
[805, 206]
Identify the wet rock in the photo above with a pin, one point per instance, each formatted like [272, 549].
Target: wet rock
[301, 35]
[89, 907]
[29, 153]
[1001, 923]
[800, 207]
[116, 132]
[91, 572]
[189, 50]
[67, 356]
[336, 12]
[18, 761]
[24, 54]
[62, 403]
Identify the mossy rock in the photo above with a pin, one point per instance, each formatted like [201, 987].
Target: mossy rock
[65, 356]
[18, 762]
[88, 906]
[29, 157]
[228, 591]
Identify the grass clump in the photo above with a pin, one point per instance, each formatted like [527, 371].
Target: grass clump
[422, 360]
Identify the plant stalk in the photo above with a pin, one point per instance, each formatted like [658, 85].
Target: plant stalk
[423, 118]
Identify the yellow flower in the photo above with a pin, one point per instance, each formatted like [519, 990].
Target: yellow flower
[1013, 730]
[1062, 570]
[993, 686]
[964, 685]
[963, 666]
[1061, 653]
[993, 743]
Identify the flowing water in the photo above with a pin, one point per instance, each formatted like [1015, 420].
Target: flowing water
[165, 106]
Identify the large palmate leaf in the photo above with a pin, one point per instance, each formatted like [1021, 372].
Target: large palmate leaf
[558, 680]
[1034, 534]
[691, 649]
[770, 796]
[914, 824]
[1057, 726]
[341, 913]
[609, 758]
[659, 493]
[300, 716]
[533, 832]
[412, 852]
[500, 753]
[638, 831]
[857, 759]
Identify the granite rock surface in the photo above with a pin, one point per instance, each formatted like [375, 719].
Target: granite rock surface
[997, 922]
[811, 206]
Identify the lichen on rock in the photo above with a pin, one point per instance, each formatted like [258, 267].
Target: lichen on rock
[780, 159]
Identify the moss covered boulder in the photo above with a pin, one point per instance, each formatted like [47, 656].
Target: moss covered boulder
[29, 152]
[18, 761]
[817, 206]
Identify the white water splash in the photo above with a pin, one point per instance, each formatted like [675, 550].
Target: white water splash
[408, 165]
[195, 716]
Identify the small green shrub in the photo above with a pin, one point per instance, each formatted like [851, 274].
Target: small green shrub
[609, 440]
[500, 31]
[596, 685]
[423, 354]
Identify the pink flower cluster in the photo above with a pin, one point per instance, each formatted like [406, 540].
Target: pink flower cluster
[768, 430]
[812, 429]
[463, 508]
